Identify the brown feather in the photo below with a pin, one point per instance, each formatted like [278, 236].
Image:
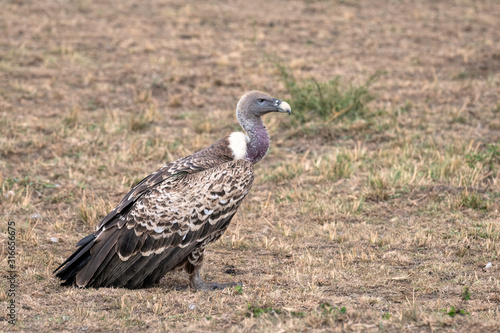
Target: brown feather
[102, 246]
[162, 227]
[207, 158]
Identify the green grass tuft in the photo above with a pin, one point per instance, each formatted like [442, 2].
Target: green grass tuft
[472, 201]
[142, 120]
[256, 311]
[239, 290]
[466, 294]
[326, 100]
[327, 308]
[453, 312]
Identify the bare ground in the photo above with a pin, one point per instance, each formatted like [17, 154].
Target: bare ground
[377, 224]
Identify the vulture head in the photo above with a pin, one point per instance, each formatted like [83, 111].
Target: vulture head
[254, 104]
[249, 110]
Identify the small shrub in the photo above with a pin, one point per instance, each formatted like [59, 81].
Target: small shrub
[327, 100]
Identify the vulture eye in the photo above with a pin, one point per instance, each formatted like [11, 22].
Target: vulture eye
[260, 101]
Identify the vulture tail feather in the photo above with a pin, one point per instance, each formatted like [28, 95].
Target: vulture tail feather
[99, 253]
[97, 278]
[116, 267]
[70, 267]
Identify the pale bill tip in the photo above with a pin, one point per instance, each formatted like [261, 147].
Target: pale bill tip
[285, 107]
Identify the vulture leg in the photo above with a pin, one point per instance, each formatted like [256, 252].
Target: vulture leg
[197, 283]
[193, 267]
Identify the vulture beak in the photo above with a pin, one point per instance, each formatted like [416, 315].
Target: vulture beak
[282, 106]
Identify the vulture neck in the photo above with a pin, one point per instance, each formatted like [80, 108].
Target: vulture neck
[259, 138]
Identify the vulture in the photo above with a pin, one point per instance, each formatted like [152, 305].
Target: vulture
[169, 217]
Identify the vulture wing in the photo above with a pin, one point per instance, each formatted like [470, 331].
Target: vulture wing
[202, 160]
[148, 237]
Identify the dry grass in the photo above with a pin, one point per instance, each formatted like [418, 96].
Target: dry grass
[371, 224]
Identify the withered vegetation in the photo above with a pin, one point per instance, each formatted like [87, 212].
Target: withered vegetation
[380, 221]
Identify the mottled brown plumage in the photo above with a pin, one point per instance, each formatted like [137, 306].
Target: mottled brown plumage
[169, 217]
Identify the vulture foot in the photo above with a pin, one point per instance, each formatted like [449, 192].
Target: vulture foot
[197, 283]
